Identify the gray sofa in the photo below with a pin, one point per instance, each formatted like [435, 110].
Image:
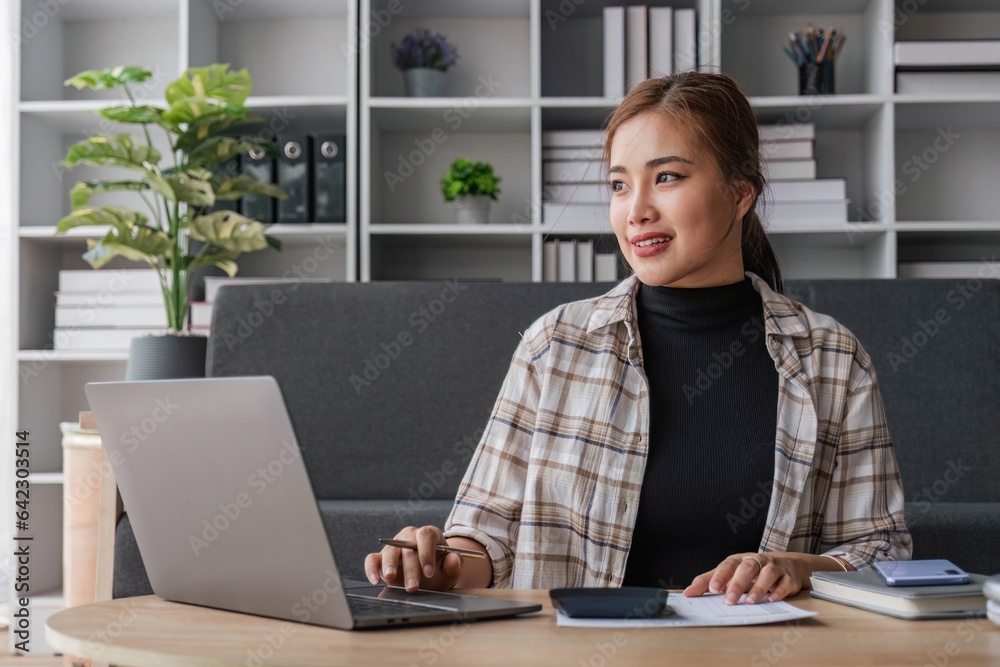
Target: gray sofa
[389, 386]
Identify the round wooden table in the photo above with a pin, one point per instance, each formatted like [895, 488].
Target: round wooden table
[147, 630]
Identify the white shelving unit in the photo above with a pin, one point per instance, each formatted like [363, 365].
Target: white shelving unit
[304, 81]
[526, 66]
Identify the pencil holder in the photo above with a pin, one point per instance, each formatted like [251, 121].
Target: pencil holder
[816, 78]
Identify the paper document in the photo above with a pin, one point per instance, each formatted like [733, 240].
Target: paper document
[700, 611]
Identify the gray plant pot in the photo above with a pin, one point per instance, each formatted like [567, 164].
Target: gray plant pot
[473, 209]
[423, 82]
[166, 357]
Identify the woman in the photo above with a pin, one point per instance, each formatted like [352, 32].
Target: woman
[692, 426]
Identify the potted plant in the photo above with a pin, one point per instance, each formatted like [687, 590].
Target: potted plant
[423, 59]
[177, 234]
[472, 186]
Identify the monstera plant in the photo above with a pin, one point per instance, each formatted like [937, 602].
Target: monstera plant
[203, 107]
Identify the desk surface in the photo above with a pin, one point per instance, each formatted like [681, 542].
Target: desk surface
[150, 631]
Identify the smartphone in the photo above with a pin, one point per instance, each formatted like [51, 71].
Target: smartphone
[921, 572]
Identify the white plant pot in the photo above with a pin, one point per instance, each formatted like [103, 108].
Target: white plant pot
[473, 209]
[423, 82]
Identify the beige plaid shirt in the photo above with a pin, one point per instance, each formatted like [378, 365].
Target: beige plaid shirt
[552, 489]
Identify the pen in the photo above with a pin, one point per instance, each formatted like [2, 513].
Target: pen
[402, 544]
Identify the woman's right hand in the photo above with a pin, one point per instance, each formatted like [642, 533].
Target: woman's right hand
[425, 567]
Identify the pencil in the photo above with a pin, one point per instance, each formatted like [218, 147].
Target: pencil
[403, 544]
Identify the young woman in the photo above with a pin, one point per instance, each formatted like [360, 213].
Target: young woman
[691, 427]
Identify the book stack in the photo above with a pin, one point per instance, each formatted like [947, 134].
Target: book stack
[575, 190]
[200, 312]
[642, 42]
[794, 195]
[568, 260]
[103, 310]
[948, 66]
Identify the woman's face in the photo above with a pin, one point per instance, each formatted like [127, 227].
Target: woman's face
[664, 185]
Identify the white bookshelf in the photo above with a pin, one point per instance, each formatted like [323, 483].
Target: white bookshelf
[324, 65]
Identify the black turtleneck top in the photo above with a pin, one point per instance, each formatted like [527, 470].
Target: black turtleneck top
[713, 391]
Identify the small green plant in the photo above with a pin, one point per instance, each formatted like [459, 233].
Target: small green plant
[465, 177]
[203, 104]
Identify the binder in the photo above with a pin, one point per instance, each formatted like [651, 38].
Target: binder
[231, 168]
[636, 46]
[294, 158]
[329, 178]
[259, 166]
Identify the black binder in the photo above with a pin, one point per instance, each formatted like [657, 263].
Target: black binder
[258, 165]
[329, 178]
[294, 160]
[231, 168]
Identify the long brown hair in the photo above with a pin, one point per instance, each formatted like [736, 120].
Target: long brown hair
[721, 118]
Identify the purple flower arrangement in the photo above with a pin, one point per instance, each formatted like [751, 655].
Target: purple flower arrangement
[422, 49]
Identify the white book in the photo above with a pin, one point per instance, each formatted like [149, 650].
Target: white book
[111, 316]
[945, 83]
[213, 283]
[787, 132]
[614, 52]
[573, 139]
[636, 48]
[791, 213]
[783, 170]
[605, 267]
[107, 298]
[811, 190]
[575, 171]
[567, 260]
[661, 41]
[585, 261]
[200, 313]
[110, 339]
[948, 53]
[576, 218]
[977, 269]
[110, 280]
[786, 150]
[685, 41]
[550, 261]
[577, 153]
[584, 193]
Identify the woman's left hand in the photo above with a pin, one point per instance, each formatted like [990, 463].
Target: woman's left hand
[765, 577]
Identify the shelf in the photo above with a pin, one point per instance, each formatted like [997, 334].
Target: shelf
[288, 233]
[287, 9]
[508, 9]
[780, 7]
[94, 10]
[451, 228]
[451, 114]
[958, 111]
[70, 356]
[46, 478]
[946, 226]
[52, 598]
[826, 111]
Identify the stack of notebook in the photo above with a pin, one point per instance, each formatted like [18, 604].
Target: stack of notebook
[866, 589]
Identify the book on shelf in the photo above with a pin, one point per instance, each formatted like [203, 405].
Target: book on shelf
[661, 41]
[573, 171]
[213, 283]
[785, 170]
[866, 589]
[109, 280]
[786, 150]
[200, 313]
[827, 189]
[585, 260]
[584, 193]
[787, 131]
[105, 298]
[567, 260]
[585, 153]
[100, 339]
[636, 45]
[573, 139]
[111, 316]
[605, 267]
[550, 261]
[294, 162]
[984, 268]
[614, 52]
[791, 212]
[685, 40]
[955, 53]
[944, 83]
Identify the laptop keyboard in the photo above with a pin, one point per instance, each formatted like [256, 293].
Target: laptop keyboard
[366, 607]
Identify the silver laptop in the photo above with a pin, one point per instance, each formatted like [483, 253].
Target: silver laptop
[224, 515]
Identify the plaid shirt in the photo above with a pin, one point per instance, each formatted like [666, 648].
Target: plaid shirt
[553, 487]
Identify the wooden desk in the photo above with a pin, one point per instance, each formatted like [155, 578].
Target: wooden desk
[149, 631]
